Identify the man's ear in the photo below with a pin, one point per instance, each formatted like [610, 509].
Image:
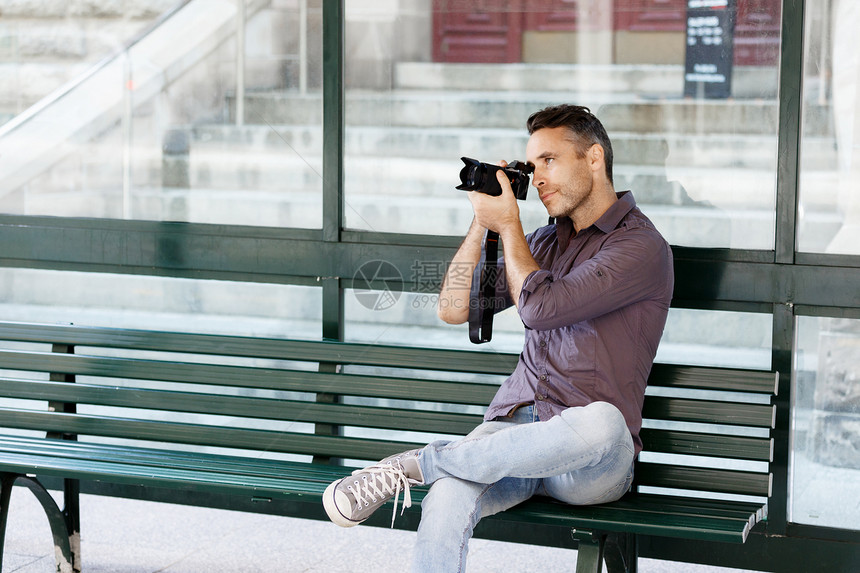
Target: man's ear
[595, 156]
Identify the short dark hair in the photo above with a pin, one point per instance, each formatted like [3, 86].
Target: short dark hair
[584, 127]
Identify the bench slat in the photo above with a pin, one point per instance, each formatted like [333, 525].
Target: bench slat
[717, 445]
[277, 349]
[692, 478]
[730, 379]
[90, 469]
[136, 455]
[709, 411]
[196, 434]
[250, 377]
[243, 406]
[686, 524]
[691, 506]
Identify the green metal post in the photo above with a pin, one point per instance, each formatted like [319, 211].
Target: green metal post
[787, 193]
[782, 361]
[788, 145]
[332, 299]
[333, 24]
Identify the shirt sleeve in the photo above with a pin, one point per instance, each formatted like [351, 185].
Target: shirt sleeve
[632, 265]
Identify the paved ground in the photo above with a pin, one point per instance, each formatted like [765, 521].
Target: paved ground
[127, 536]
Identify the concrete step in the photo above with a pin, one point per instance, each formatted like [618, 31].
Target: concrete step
[481, 109]
[493, 144]
[424, 160]
[575, 79]
[730, 175]
[436, 178]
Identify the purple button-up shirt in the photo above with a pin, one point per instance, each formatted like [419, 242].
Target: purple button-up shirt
[594, 314]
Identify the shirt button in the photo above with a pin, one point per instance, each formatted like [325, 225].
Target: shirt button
[539, 397]
[543, 343]
[543, 376]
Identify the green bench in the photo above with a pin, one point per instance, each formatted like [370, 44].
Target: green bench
[264, 425]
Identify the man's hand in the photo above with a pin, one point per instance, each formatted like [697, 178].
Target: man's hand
[498, 214]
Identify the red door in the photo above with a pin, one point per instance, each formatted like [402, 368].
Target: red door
[567, 15]
[485, 31]
[757, 31]
[491, 30]
[651, 15]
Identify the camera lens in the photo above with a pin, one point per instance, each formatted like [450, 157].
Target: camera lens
[473, 175]
[477, 176]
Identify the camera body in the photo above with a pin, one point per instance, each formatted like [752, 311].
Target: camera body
[477, 176]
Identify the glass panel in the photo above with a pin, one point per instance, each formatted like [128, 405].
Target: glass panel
[430, 82]
[829, 214]
[717, 338]
[410, 319]
[181, 125]
[161, 303]
[707, 338]
[825, 438]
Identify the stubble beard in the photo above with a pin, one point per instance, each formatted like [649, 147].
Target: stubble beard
[572, 198]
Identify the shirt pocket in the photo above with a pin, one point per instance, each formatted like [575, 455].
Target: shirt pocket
[577, 360]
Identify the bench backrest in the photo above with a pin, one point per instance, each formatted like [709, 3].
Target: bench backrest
[706, 429]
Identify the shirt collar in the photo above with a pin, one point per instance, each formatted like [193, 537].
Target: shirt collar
[617, 211]
[606, 223]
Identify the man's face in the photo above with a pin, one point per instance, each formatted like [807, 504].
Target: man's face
[563, 179]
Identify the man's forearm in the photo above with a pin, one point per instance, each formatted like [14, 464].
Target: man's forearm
[453, 303]
[519, 262]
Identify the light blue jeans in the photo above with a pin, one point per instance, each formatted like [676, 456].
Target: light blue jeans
[582, 456]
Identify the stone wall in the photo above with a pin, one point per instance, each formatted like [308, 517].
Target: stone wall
[380, 34]
[45, 43]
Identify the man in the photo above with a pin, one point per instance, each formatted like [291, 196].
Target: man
[593, 290]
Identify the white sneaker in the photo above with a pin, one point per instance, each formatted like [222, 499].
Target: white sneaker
[352, 499]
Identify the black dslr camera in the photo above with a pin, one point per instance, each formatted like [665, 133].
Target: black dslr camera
[477, 176]
[483, 301]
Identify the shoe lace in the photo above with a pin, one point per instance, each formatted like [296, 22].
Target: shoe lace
[383, 481]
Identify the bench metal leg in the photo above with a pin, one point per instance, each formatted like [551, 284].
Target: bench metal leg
[67, 560]
[589, 555]
[6, 483]
[72, 516]
[621, 553]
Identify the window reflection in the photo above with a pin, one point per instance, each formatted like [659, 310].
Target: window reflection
[829, 214]
[161, 303]
[700, 337]
[425, 87]
[825, 467]
[212, 115]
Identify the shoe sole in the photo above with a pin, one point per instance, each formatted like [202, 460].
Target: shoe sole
[331, 509]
